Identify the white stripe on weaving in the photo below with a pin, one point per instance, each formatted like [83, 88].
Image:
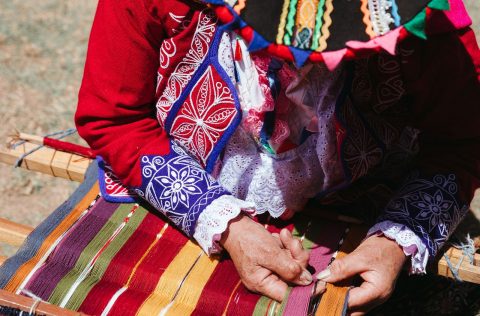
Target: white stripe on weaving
[90, 265]
[113, 300]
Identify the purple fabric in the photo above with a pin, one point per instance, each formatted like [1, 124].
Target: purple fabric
[59, 263]
[326, 243]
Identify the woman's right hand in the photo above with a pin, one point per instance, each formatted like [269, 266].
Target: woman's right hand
[265, 262]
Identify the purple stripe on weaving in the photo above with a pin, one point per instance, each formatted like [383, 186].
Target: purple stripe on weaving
[66, 254]
[326, 243]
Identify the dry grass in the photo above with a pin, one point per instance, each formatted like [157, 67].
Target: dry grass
[42, 48]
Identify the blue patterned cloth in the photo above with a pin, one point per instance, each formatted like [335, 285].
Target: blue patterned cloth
[429, 206]
[178, 186]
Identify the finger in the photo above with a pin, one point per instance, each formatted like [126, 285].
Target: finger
[277, 239]
[320, 288]
[363, 298]
[287, 268]
[273, 287]
[342, 269]
[295, 247]
[357, 313]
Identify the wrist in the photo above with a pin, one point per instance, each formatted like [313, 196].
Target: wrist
[234, 227]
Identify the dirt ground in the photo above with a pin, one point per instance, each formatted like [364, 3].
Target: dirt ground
[42, 49]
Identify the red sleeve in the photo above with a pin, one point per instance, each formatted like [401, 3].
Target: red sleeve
[116, 108]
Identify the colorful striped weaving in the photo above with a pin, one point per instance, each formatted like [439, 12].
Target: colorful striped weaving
[104, 258]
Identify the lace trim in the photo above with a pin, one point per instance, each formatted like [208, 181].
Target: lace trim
[412, 245]
[213, 221]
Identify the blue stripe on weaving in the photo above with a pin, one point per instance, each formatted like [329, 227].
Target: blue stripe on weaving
[36, 238]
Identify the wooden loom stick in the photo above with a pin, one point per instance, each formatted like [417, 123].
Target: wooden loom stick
[12, 233]
[467, 272]
[24, 303]
[47, 160]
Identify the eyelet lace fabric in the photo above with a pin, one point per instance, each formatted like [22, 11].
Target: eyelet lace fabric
[412, 245]
[214, 221]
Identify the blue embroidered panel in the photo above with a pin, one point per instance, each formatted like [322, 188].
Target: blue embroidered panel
[428, 206]
[177, 186]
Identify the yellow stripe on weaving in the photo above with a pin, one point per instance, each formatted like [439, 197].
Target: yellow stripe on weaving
[192, 288]
[68, 221]
[171, 280]
[283, 22]
[366, 19]
[327, 21]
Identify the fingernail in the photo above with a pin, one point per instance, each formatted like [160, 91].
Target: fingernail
[324, 274]
[306, 277]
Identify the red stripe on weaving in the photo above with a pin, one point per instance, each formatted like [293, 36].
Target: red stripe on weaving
[218, 290]
[149, 272]
[243, 302]
[120, 268]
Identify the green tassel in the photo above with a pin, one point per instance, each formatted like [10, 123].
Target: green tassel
[439, 5]
[416, 26]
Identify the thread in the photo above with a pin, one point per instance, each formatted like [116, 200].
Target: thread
[283, 22]
[327, 21]
[66, 254]
[26, 270]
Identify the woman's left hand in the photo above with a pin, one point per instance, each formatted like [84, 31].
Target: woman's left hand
[378, 261]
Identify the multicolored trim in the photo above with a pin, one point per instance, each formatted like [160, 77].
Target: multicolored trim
[382, 37]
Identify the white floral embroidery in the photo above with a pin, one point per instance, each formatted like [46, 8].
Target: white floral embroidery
[177, 186]
[208, 111]
[185, 69]
[429, 207]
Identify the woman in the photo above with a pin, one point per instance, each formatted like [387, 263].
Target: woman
[210, 131]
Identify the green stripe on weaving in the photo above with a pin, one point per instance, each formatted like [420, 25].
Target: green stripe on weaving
[281, 309]
[317, 32]
[416, 26]
[439, 5]
[262, 306]
[292, 13]
[300, 228]
[93, 247]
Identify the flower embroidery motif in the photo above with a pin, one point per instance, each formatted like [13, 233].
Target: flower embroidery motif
[181, 76]
[430, 207]
[206, 114]
[177, 186]
[434, 208]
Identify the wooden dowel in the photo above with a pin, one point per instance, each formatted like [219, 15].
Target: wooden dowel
[12, 233]
[466, 272]
[25, 303]
[453, 252]
[48, 161]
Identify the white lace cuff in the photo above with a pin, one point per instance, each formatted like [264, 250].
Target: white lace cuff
[215, 218]
[412, 245]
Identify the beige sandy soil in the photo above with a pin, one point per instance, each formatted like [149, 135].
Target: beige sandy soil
[42, 48]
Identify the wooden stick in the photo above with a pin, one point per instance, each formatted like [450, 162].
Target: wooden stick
[48, 161]
[25, 303]
[12, 233]
[467, 272]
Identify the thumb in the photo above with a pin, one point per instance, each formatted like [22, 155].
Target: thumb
[342, 269]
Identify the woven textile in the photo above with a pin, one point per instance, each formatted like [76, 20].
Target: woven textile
[105, 258]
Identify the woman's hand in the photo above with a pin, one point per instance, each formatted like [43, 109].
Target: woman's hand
[265, 262]
[378, 261]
